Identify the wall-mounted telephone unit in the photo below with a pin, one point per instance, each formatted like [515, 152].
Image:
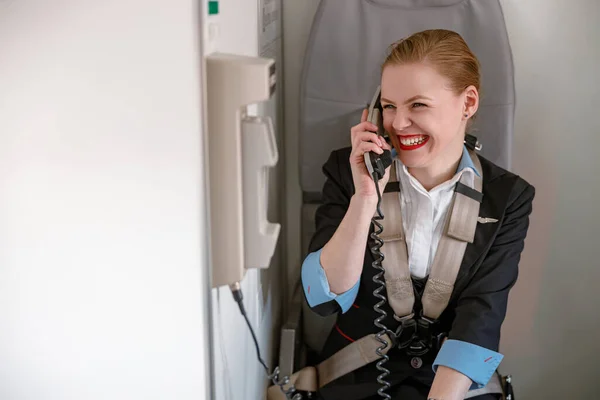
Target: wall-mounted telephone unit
[241, 149]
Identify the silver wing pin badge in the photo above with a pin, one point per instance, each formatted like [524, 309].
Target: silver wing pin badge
[485, 220]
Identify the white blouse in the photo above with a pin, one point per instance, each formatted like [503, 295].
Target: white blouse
[424, 213]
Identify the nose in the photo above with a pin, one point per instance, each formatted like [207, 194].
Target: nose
[401, 121]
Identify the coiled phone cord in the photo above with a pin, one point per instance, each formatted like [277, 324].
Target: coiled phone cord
[375, 250]
[290, 393]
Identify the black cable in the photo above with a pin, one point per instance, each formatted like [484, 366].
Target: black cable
[379, 212]
[289, 393]
[379, 257]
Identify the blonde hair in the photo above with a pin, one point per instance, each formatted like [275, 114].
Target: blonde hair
[444, 50]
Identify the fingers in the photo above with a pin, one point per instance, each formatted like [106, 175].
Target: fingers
[385, 144]
[367, 137]
[363, 126]
[364, 138]
[364, 116]
[357, 155]
[364, 147]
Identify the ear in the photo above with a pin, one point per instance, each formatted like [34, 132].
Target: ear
[471, 101]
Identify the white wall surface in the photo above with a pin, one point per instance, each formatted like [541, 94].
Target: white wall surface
[550, 336]
[103, 279]
[238, 375]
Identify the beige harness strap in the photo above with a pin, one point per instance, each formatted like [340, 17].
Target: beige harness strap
[356, 355]
[460, 230]
[461, 223]
[360, 352]
[352, 357]
[397, 280]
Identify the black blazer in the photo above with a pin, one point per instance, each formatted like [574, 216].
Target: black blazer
[478, 303]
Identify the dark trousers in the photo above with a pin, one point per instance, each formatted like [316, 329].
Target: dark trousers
[413, 390]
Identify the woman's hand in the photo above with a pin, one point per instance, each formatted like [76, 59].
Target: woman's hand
[449, 384]
[343, 256]
[365, 139]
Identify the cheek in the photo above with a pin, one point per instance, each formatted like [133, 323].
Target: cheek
[395, 141]
[436, 125]
[388, 121]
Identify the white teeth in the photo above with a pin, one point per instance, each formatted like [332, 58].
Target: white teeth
[413, 141]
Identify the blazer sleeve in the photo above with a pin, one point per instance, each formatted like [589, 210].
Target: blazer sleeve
[335, 198]
[335, 201]
[481, 307]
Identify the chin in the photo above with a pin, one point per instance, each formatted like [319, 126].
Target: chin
[412, 161]
[414, 158]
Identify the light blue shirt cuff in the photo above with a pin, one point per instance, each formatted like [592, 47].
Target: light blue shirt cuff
[316, 286]
[476, 362]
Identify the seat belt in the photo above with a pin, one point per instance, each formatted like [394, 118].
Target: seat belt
[460, 227]
[309, 379]
[461, 223]
[352, 357]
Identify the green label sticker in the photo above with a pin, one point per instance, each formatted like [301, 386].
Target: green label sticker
[213, 7]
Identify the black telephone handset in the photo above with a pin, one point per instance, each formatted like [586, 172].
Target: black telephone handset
[377, 163]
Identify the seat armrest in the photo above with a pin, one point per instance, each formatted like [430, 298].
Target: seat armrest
[291, 346]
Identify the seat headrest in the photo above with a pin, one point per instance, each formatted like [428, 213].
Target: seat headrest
[347, 46]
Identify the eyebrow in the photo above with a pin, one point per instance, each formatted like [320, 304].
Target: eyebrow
[383, 99]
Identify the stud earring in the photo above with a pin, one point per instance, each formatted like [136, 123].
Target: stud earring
[466, 115]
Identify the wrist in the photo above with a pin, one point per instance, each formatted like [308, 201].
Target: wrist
[368, 202]
[449, 384]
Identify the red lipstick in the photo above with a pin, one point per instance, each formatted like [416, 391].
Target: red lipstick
[413, 146]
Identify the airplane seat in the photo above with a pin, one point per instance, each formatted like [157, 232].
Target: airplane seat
[340, 73]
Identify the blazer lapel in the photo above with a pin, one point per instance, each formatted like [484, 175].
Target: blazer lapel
[495, 197]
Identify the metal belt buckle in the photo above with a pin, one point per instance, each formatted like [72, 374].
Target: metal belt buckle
[423, 339]
[417, 348]
[406, 332]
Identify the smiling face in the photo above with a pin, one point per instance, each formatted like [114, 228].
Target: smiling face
[423, 116]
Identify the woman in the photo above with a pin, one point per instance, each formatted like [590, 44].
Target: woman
[430, 87]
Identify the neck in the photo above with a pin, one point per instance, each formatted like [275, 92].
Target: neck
[439, 172]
